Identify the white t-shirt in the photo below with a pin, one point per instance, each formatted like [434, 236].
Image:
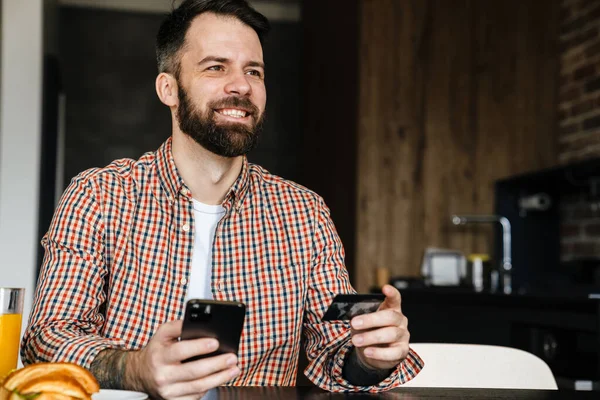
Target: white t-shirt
[206, 218]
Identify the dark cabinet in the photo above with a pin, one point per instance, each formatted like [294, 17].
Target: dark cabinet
[563, 331]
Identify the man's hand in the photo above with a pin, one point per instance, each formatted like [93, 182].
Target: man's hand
[158, 371]
[381, 338]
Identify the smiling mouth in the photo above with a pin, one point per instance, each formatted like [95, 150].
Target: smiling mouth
[233, 112]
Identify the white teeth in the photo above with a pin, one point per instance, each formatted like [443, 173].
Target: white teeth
[233, 113]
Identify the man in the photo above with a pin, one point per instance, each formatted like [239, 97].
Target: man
[129, 243]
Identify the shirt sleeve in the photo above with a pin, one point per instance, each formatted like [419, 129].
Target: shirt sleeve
[328, 343]
[65, 323]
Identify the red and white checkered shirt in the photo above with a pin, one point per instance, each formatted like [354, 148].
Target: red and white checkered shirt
[118, 259]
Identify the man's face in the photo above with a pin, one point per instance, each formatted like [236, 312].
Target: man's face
[221, 86]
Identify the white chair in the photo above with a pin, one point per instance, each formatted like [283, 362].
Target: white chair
[480, 366]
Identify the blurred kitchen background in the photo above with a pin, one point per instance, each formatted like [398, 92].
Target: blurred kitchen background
[400, 113]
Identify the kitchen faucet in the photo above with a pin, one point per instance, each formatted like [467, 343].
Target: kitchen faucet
[506, 241]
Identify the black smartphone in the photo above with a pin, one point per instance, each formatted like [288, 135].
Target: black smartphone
[222, 320]
[347, 306]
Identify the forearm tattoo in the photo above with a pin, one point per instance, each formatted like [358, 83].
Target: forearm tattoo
[109, 368]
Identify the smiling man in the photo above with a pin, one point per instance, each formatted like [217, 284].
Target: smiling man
[131, 242]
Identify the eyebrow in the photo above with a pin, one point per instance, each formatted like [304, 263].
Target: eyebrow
[227, 60]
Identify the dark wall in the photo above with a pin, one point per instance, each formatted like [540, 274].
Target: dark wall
[108, 69]
[279, 148]
[331, 65]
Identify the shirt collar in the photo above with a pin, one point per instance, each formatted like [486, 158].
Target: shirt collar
[166, 169]
[173, 184]
[239, 189]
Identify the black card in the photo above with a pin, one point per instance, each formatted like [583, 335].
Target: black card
[347, 306]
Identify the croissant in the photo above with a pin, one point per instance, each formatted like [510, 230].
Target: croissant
[49, 381]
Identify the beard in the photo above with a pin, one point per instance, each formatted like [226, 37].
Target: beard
[225, 139]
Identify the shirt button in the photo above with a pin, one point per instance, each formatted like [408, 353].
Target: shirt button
[183, 281]
[219, 286]
[186, 227]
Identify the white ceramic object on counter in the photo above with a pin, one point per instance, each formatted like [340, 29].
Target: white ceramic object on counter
[111, 394]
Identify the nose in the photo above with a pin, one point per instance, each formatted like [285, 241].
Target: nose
[238, 85]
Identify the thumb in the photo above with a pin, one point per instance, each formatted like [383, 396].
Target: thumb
[169, 331]
[393, 300]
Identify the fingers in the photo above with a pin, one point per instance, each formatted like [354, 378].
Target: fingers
[185, 349]
[389, 335]
[195, 369]
[198, 386]
[161, 372]
[382, 337]
[381, 318]
[169, 331]
[393, 300]
[179, 380]
[393, 353]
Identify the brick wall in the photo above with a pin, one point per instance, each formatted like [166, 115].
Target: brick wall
[579, 120]
[579, 98]
[580, 228]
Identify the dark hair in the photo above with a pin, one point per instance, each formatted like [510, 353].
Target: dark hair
[172, 32]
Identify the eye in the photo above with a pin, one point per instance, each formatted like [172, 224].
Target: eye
[216, 68]
[254, 72]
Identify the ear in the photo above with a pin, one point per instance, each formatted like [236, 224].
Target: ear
[166, 89]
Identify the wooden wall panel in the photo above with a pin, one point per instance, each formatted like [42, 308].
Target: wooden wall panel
[452, 96]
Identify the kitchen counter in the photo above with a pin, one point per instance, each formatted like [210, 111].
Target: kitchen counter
[561, 328]
[578, 302]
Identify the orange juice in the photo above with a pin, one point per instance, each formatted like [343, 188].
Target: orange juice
[10, 333]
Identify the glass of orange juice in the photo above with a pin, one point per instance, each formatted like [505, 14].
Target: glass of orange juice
[11, 310]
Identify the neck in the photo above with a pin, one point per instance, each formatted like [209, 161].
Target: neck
[206, 174]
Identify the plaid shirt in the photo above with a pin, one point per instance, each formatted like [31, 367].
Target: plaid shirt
[118, 259]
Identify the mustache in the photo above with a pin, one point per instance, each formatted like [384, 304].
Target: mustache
[235, 102]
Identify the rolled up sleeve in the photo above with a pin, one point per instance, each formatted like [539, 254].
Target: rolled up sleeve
[328, 343]
[66, 320]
